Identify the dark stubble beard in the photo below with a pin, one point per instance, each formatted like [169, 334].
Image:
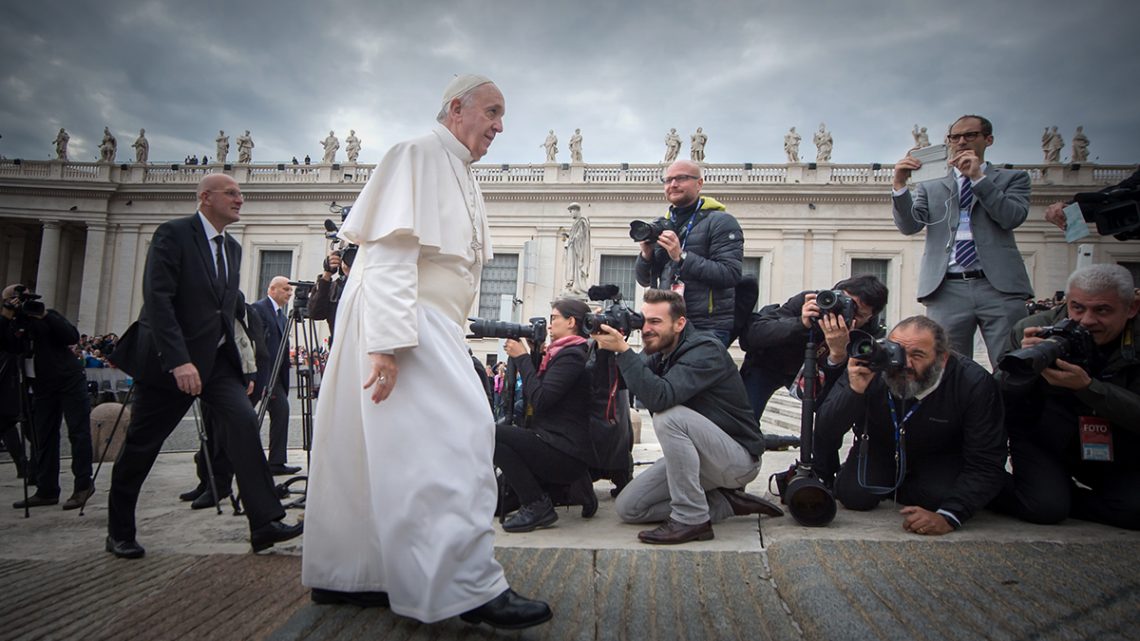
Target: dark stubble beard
[904, 388]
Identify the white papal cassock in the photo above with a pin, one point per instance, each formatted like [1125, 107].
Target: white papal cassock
[401, 494]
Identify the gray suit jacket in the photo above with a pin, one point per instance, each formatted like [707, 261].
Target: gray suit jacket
[1002, 204]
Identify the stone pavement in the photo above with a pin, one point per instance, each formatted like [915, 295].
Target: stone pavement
[860, 578]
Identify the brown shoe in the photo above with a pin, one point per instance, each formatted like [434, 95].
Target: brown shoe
[672, 532]
[744, 503]
[78, 498]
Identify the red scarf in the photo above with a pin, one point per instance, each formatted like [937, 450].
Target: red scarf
[556, 346]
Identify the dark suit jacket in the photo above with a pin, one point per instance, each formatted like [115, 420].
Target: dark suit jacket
[273, 336]
[1002, 204]
[185, 314]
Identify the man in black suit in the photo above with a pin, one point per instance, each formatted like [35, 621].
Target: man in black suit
[271, 310]
[182, 347]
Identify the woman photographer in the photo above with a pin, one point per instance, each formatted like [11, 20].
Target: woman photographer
[555, 449]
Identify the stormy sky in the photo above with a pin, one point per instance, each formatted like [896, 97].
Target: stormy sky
[623, 72]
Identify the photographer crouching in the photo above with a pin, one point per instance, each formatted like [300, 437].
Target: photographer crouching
[711, 444]
[1073, 405]
[59, 389]
[556, 449]
[928, 427]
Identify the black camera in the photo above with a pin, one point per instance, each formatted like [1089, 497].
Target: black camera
[26, 303]
[644, 232]
[1067, 340]
[486, 328]
[1116, 212]
[302, 290]
[836, 301]
[617, 316]
[877, 355]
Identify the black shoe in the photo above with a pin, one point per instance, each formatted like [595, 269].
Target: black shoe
[206, 499]
[359, 599]
[743, 503]
[509, 611]
[192, 494]
[274, 532]
[582, 493]
[78, 498]
[532, 516]
[282, 470]
[780, 442]
[36, 500]
[125, 549]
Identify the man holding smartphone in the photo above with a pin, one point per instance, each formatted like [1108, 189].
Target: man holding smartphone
[972, 273]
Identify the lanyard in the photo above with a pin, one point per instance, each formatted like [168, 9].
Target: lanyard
[692, 221]
[900, 450]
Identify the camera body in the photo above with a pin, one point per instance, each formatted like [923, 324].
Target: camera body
[618, 316]
[302, 291]
[27, 303]
[1066, 339]
[836, 301]
[535, 331]
[644, 232]
[877, 355]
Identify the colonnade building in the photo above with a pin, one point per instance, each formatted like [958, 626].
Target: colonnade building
[78, 233]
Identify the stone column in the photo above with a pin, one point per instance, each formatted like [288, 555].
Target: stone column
[791, 263]
[16, 241]
[124, 275]
[92, 277]
[49, 263]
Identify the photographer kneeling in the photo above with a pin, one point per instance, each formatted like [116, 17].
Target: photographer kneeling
[710, 442]
[1075, 417]
[928, 427]
[59, 393]
[556, 449]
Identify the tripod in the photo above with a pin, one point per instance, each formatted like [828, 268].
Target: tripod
[809, 500]
[304, 332]
[24, 420]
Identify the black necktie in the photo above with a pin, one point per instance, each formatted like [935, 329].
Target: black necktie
[219, 239]
[280, 320]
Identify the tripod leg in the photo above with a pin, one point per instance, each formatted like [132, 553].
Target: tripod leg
[198, 423]
[107, 444]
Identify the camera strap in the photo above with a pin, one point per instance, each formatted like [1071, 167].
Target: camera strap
[900, 449]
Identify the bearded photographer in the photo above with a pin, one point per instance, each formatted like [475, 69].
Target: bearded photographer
[59, 393]
[928, 431]
[710, 442]
[1074, 430]
[774, 341]
[556, 448]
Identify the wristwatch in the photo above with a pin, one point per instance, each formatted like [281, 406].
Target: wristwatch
[684, 255]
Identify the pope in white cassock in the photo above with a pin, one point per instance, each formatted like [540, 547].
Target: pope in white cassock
[402, 490]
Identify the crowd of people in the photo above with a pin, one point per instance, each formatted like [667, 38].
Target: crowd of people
[402, 487]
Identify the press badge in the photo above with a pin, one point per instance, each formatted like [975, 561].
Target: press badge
[678, 287]
[1096, 439]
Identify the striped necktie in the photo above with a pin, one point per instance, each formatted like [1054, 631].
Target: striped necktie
[965, 253]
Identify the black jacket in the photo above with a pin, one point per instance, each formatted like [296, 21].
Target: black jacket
[52, 336]
[185, 314]
[957, 432]
[325, 299]
[273, 335]
[711, 269]
[699, 374]
[560, 400]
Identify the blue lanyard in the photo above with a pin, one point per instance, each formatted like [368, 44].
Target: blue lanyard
[692, 221]
[900, 450]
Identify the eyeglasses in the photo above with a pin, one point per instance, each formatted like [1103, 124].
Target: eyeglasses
[970, 136]
[678, 179]
[232, 193]
[553, 317]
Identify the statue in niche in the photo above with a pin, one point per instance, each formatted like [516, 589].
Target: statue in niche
[142, 147]
[551, 145]
[1053, 143]
[108, 147]
[245, 148]
[697, 145]
[351, 146]
[921, 138]
[576, 146]
[672, 146]
[792, 145]
[331, 144]
[61, 140]
[1080, 146]
[221, 147]
[578, 252]
[823, 144]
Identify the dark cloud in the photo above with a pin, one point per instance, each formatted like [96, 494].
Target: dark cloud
[622, 72]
